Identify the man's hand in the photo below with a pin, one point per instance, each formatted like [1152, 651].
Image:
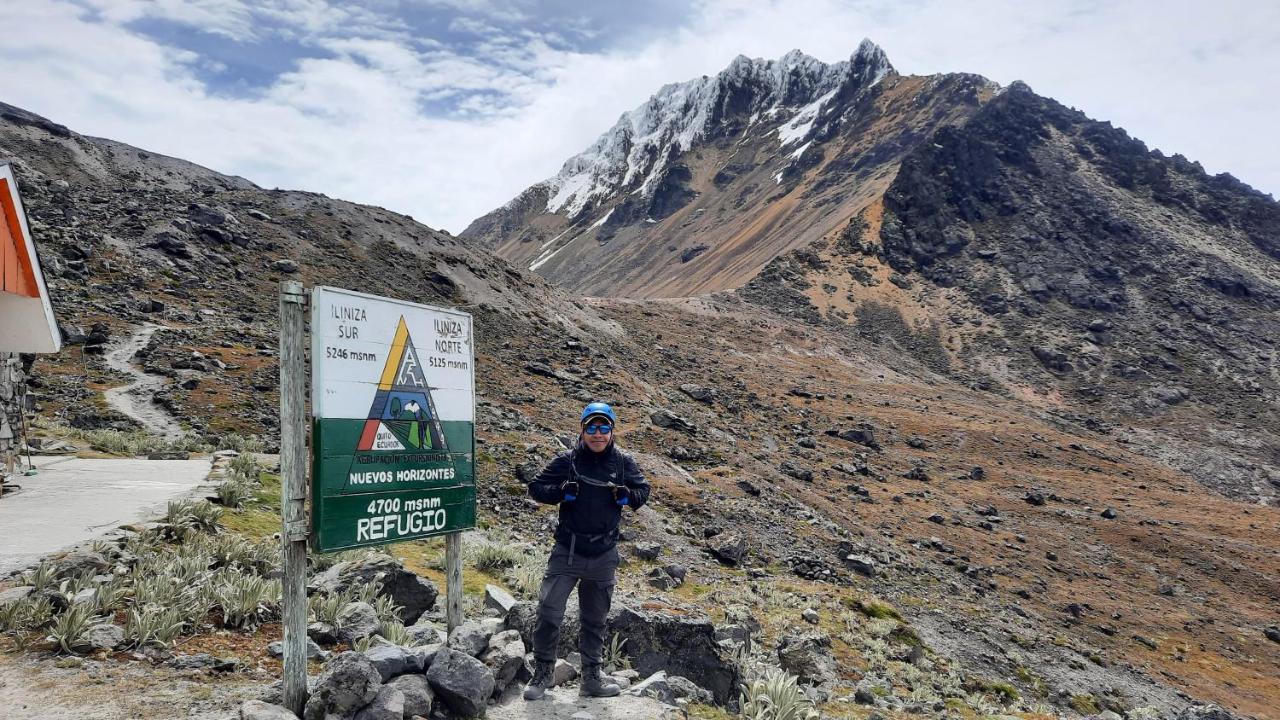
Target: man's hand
[570, 488]
[622, 495]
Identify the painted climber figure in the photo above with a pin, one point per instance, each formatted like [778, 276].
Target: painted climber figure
[592, 484]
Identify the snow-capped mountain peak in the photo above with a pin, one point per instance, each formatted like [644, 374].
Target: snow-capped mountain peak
[789, 93]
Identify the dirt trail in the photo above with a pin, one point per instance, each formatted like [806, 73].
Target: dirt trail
[135, 399]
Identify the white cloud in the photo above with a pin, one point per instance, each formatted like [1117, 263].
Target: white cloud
[1185, 77]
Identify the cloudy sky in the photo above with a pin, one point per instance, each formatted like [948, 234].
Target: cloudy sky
[445, 109]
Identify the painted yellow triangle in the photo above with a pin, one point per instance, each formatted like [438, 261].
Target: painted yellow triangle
[394, 357]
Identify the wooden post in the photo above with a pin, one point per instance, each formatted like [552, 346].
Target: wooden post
[453, 579]
[293, 490]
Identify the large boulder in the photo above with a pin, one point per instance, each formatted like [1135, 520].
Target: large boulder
[391, 660]
[414, 594]
[682, 645]
[524, 618]
[417, 693]
[462, 682]
[349, 683]
[808, 657]
[387, 705]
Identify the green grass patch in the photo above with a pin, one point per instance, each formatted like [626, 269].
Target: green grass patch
[1085, 704]
[260, 516]
[876, 609]
[1036, 683]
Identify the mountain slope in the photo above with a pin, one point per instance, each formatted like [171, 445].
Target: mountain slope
[1057, 259]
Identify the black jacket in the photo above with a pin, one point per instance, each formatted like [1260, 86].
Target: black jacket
[589, 524]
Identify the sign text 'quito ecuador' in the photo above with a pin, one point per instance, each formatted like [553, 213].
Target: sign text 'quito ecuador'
[393, 397]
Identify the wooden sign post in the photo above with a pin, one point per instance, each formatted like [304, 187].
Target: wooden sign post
[392, 439]
[293, 490]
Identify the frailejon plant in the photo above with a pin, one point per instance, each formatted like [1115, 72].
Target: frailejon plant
[386, 608]
[109, 596]
[525, 576]
[152, 626]
[245, 466]
[776, 696]
[325, 608]
[70, 627]
[488, 557]
[43, 577]
[242, 444]
[233, 493]
[396, 633]
[247, 600]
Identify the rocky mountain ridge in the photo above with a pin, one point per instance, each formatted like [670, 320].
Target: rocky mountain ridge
[756, 135]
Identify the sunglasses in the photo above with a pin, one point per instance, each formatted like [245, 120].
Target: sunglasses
[601, 429]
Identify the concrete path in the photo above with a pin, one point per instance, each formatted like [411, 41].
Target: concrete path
[72, 500]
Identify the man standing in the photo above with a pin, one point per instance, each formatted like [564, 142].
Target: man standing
[591, 484]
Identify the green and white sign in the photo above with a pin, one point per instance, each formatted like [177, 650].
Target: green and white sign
[393, 402]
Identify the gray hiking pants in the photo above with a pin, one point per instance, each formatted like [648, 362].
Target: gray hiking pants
[595, 578]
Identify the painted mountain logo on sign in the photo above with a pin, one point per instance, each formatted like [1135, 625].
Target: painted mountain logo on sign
[403, 415]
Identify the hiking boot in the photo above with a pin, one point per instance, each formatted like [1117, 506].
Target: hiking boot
[594, 684]
[541, 680]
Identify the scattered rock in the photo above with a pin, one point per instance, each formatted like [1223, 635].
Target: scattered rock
[387, 705]
[14, 594]
[391, 661]
[258, 710]
[322, 633]
[646, 550]
[797, 472]
[862, 564]
[563, 672]
[469, 637]
[666, 419]
[417, 694]
[504, 658]
[349, 683]
[314, 651]
[357, 620]
[285, 265]
[104, 636]
[498, 599]
[729, 549]
[808, 657]
[699, 392]
[462, 682]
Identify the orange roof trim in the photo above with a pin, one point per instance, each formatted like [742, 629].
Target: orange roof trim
[26, 317]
